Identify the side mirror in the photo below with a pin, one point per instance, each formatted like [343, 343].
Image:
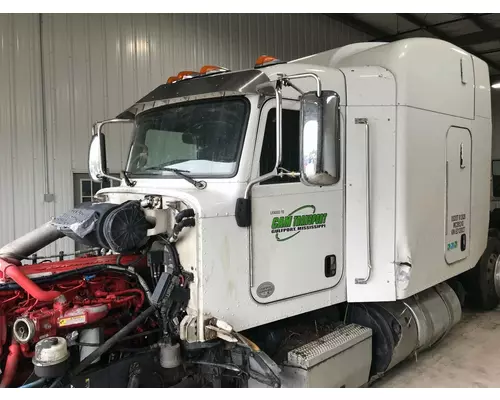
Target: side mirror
[98, 170]
[320, 138]
[97, 158]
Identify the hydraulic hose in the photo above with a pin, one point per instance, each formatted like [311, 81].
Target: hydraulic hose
[11, 364]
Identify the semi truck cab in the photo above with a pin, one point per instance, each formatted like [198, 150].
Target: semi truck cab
[336, 199]
[374, 197]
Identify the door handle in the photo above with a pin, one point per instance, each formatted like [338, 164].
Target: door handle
[462, 163]
[362, 281]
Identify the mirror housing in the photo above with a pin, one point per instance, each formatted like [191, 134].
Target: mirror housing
[320, 138]
[97, 158]
[97, 164]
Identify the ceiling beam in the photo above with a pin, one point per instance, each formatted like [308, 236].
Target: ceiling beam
[483, 36]
[479, 22]
[490, 51]
[359, 25]
[413, 30]
[429, 28]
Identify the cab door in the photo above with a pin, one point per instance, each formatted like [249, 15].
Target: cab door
[296, 230]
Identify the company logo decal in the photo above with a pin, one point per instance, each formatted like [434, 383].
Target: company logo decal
[302, 219]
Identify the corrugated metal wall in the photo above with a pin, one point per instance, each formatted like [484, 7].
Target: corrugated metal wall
[22, 155]
[94, 66]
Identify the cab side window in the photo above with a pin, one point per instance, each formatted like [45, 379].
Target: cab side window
[290, 146]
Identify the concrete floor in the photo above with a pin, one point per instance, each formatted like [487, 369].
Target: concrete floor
[468, 357]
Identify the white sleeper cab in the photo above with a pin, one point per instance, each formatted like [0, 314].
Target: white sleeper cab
[309, 223]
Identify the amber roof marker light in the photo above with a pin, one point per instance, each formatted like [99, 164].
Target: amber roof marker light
[264, 61]
[212, 69]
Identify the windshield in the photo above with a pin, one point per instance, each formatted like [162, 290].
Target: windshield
[201, 139]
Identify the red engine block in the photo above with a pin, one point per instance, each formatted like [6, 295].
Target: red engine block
[82, 301]
[33, 312]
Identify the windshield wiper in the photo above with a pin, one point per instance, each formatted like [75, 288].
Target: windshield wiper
[180, 172]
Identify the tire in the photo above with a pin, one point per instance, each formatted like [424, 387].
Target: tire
[480, 281]
[383, 342]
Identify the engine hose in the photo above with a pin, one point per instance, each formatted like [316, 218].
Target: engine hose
[178, 227]
[34, 384]
[108, 344]
[28, 285]
[11, 364]
[55, 277]
[187, 213]
[133, 263]
[140, 279]
[25, 350]
[83, 271]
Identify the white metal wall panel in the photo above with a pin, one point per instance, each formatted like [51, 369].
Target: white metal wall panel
[93, 67]
[22, 163]
[103, 63]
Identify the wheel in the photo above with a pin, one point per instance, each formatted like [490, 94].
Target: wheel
[482, 283]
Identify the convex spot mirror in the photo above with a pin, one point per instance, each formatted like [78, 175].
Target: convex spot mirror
[320, 138]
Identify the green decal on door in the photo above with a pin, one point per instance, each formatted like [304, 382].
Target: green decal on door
[301, 219]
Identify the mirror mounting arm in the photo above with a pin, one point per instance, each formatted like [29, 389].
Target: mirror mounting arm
[274, 172]
[243, 209]
[243, 205]
[288, 78]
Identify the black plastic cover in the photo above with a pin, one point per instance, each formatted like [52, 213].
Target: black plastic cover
[243, 212]
[84, 223]
[121, 228]
[125, 228]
